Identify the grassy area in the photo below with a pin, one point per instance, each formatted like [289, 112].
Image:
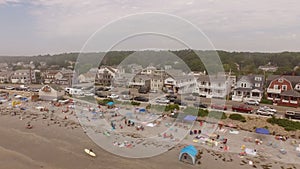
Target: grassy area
[266, 101]
[237, 117]
[287, 124]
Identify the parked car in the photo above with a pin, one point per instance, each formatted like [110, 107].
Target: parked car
[218, 107]
[89, 94]
[292, 115]
[113, 96]
[242, 108]
[143, 90]
[179, 102]
[126, 97]
[101, 95]
[153, 91]
[200, 105]
[141, 99]
[264, 112]
[162, 101]
[252, 102]
[270, 109]
[9, 88]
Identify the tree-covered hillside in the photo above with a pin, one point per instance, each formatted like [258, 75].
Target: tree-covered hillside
[238, 62]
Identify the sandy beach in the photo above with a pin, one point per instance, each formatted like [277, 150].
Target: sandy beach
[50, 144]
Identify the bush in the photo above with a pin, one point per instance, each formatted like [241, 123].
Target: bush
[266, 101]
[172, 107]
[287, 124]
[202, 113]
[135, 103]
[104, 101]
[237, 117]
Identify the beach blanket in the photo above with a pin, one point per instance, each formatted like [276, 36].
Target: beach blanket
[250, 152]
[234, 132]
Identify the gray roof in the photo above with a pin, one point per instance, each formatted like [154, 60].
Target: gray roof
[290, 93]
[251, 79]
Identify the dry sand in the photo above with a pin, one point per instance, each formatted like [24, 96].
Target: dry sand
[57, 147]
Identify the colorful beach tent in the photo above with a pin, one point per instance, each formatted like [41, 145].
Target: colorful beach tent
[188, 154]
[110, 103]
[190, 118]
[262, 131]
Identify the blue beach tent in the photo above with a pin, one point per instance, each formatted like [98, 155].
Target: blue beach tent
[262, 131]
[188, 154]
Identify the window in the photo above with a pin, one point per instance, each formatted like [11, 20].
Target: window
[280, 80]
[257, 84]
[257, 78]
[284, 87]
[245, 85]
[276, 87]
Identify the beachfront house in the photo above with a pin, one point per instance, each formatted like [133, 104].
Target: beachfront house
[250, 87]
[5, 77]
[284, 90]
[105, 75]
[51, 92]
[24, 76]
[215, 86]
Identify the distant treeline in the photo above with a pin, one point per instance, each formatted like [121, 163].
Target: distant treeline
[237, 62]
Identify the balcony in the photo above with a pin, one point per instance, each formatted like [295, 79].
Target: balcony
[277, 91]
[293, 102]
[284, 101]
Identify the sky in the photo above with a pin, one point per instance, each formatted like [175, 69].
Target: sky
[33, 27]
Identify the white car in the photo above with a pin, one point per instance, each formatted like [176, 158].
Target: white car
[162, 101]
[113, 96]
[270, 109]
[264, 112]
[252, 102]
[89, 94]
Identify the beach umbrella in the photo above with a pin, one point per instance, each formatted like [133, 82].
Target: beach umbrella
[110, 103]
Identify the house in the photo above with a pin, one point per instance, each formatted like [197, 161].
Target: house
[51, 92]
[283, 90]
[268, 68]
[179, 82]
[5, 77]
[139, 81]
[123, 79]
[249, 87]
[156, 82]
[3, 66]
[87, 77]
[106, 75]
[25, 76]
[214, 86]
[60, 77]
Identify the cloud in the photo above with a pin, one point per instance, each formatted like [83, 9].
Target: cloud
[232, 25]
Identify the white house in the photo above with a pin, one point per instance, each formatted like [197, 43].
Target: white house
[25, 76]
[87, 77]
[215, 86]
[249, 87]
[52, 92]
